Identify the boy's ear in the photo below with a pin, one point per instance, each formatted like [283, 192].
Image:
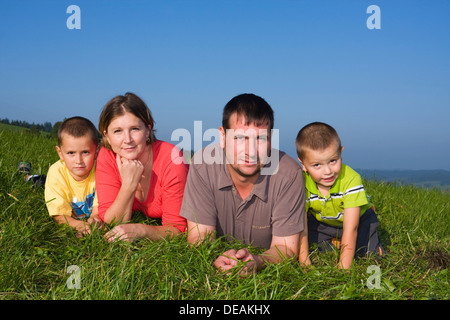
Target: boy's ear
[58, 149]
[303, 167]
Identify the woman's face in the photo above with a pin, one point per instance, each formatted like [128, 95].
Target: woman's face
[127, 135]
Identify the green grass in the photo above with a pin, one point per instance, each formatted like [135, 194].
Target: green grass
[35, 252]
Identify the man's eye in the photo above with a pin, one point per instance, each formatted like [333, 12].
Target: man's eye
[262, 139]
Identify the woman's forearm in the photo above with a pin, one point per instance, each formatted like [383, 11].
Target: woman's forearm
[121, 209]
[159, 232]
[135, 231]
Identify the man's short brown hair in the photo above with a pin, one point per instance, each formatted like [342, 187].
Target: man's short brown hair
[316, 136]
[255, 109]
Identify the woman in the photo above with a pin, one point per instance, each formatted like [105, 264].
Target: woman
[137, 172]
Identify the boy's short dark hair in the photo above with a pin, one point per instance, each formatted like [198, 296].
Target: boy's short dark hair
[316, 136]
[254, 108]
[77, 127]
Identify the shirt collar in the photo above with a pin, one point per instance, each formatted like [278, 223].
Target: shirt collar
[261, 187]
[311, 186]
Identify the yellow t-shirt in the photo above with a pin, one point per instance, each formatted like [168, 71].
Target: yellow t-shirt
[66, 196]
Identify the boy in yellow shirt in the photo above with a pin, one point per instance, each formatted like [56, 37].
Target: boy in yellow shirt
[70, 193]
[339, 211]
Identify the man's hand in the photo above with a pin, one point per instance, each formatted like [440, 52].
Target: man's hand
[232, 258]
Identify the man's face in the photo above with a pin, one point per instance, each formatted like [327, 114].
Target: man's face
[247, 147]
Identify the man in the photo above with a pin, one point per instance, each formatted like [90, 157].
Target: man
[233, 197]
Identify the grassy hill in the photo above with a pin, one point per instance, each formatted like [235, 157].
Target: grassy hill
[29, 131]
[429, 179]
[35, 253]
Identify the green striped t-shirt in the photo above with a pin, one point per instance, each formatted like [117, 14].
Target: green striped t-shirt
[346, 192]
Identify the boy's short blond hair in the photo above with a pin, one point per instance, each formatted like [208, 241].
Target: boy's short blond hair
[316, 136]
[77, 127]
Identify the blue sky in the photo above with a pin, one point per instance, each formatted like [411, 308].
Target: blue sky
[386, 91]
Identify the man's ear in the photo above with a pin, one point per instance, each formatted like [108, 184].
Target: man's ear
[222, 137]
[303, 166]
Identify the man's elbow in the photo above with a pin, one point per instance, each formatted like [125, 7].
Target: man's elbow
[287, 246]
[197, 233]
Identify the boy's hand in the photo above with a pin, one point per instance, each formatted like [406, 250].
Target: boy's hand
[82, 228]
[96, 221]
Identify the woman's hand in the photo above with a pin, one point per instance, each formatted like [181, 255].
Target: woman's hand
[127, 232]
[130, 172]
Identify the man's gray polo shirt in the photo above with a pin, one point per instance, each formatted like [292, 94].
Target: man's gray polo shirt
[275, 206]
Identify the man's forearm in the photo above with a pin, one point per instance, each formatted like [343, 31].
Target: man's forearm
[274, 255]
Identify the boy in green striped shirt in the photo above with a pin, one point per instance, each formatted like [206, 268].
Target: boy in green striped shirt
[339, 211]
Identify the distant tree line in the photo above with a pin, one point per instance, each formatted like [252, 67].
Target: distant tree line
[35, 128]
[46, 127]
